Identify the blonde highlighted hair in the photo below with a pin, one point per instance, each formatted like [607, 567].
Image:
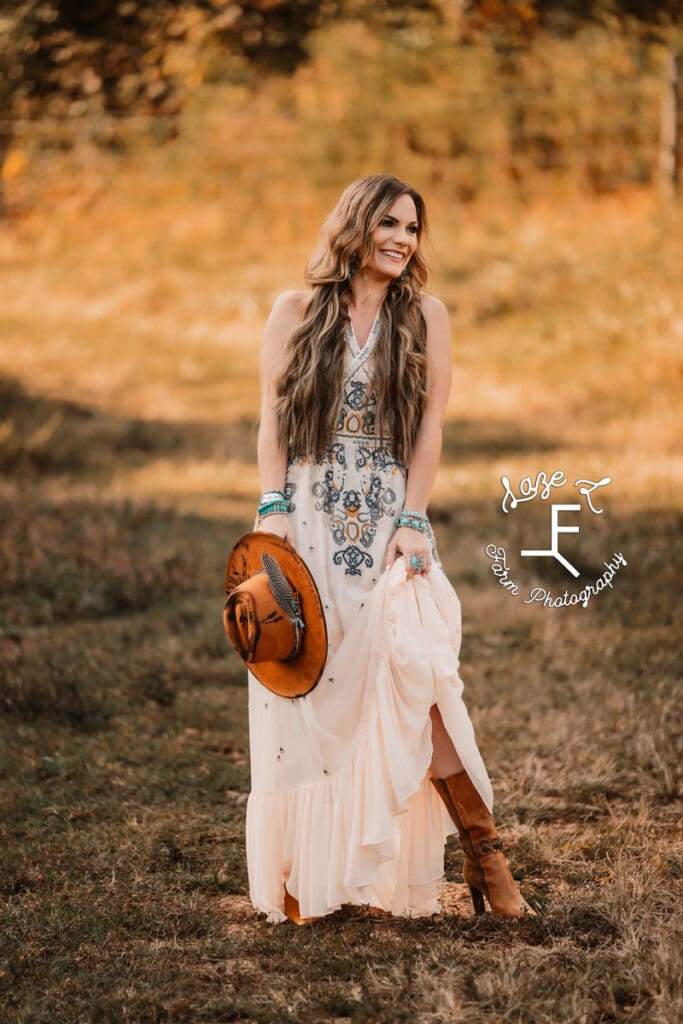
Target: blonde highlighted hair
[309, 395]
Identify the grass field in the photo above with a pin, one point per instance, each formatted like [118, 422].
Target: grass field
[133, 301]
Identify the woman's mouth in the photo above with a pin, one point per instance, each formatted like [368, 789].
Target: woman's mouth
[393, 254]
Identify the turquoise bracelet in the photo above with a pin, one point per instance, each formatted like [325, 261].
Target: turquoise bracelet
[272, 495]
[414, 524]
[273, 506]
[273, 501]
[413, 520]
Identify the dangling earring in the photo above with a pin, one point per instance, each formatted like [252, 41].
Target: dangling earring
[404, 273]
[353, 267]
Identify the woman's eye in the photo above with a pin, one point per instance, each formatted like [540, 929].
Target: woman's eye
[388, 223]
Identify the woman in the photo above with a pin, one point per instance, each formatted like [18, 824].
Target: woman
[356, 786]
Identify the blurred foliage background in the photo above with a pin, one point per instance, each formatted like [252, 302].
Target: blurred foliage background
[467, 91]
[166, 167]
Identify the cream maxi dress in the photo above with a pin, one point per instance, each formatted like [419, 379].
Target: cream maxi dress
[341, 809]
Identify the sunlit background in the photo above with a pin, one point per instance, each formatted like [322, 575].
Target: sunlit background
[165, 169]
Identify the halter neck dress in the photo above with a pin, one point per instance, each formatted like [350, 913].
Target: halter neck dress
[341, 809]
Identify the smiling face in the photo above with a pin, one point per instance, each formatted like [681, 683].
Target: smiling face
[394, 240]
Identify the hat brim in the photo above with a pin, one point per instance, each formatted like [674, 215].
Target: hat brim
[285, 678]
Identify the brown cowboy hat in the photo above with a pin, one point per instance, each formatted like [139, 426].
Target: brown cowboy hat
[273, 614]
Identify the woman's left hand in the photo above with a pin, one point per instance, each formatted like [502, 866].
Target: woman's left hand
[408, 542]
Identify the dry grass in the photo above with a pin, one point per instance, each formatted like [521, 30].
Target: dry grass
[132, 309]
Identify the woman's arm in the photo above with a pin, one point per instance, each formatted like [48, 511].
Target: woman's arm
[427, 450]
[272, 458]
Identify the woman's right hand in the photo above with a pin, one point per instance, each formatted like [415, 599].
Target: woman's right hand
[277, 523]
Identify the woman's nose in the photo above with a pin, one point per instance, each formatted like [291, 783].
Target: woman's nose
[401, 235]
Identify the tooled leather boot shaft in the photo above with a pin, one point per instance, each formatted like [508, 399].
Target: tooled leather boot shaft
[486, 847]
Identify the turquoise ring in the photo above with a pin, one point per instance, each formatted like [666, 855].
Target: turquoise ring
[415, 562]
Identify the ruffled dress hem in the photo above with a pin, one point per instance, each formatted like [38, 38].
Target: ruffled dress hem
[371, 829]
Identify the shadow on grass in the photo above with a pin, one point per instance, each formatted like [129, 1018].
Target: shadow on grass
[469, 438]
[124, 728]
[153, 577]
[46, 436]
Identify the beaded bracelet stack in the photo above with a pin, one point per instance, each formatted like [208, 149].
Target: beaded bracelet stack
[415, 520]
[272, 502]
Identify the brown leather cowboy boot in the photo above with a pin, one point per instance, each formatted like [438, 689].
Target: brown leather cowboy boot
[471, 871]
[492, 878]
[293, 910]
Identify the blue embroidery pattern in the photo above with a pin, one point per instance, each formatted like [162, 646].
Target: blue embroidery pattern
[355, 489]
[377, 458]
[356, 510]
[328, 493]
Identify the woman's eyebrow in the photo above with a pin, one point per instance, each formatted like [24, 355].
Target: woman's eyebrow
[390, 216]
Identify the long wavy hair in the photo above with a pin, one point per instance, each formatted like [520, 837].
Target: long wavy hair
[309, 397]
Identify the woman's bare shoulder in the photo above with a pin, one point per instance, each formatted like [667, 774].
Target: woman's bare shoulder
[438, 324]
[285, 316]
[290, 305]
[433, 307]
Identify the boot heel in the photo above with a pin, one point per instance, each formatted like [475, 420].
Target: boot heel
[477, 900]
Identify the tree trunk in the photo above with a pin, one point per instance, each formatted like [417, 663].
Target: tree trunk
[5, 139]
[670, 132]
